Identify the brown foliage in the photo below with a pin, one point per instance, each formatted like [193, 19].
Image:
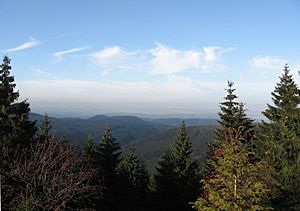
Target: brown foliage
[50, 175]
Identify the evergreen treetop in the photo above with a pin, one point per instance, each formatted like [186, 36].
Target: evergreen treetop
[15, 126]
[45, 128]
[278, 141]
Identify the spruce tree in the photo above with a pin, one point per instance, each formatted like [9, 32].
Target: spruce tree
[134, 182]
[45, 128]
[232, 114]
[89, 147]
[15, 127]
[107, 155]
[237, 184]
[278, 141]
[177, 179]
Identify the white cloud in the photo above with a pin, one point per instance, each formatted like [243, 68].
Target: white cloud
[29, 44]
[168, 60]
[267, 62]
[60, 54]
[161, 60]
[115, 58]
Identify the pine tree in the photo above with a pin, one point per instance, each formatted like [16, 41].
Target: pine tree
[45, 128]
[178, 177]
[89, 147]
[15, 127]
[237, 184]
[278, 141]
[134, 182]
[233, 115]
[107, 155]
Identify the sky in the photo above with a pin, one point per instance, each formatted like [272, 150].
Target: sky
[78, 57]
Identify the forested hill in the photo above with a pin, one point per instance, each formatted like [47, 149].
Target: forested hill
[151, 136]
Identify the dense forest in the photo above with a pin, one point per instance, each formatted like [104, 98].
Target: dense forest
[239, 166]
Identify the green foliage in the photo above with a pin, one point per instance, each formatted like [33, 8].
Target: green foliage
[177, 176]
[233, 115]
[15, 127]
[278, 142]
[106, 158]
[134, 182]
[90, 146]
[237, 183]
[45, 128]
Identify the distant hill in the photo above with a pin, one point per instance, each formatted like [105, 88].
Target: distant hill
[126, 129]
[152, 137]
[177, 121]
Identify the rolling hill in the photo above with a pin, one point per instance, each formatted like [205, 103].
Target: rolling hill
[151, 137]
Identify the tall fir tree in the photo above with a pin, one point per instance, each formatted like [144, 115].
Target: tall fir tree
[107, 155]
[89, 146]
[237, 184]
[15, 127]
[278, 141]
[232, 114]
[178, 175]
[134, 182]
[45, 128]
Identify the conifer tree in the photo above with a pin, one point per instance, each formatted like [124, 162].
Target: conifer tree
[278, 141]
[134, 182]
[237, 184]
[232, 114]
[15, 126]
[89, 147]
[45, 128]
[107, 155]
[178, 177]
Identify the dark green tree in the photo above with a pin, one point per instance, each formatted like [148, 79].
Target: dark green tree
[45, 129]
[178, 176]
[107, 155]
[278, 141]
[237, 184]
[90, 146]
[15, 127]
[232, 114]
[134, 182]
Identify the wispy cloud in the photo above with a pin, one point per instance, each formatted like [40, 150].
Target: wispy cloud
[267, 62]
[160, 60]
[29, 44]
[60, 54]
[42, 73]
[115, 58]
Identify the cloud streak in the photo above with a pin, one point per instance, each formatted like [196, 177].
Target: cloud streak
[29, 44]
[60, 54]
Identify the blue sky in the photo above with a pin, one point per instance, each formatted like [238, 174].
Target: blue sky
[142, 56]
